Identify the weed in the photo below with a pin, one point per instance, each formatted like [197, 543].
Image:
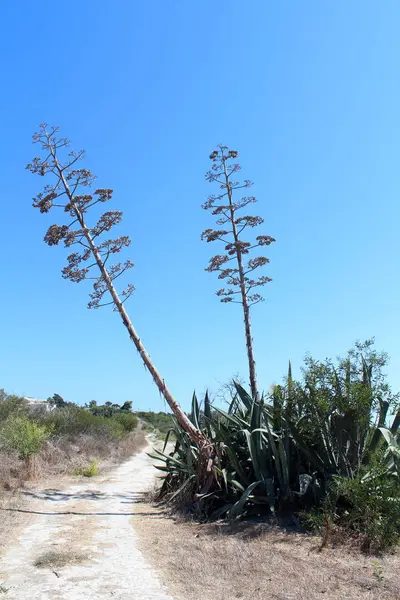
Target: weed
[377, 570]
[90, 470]
[57, 560]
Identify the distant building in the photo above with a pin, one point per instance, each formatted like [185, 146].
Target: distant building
[38, 404]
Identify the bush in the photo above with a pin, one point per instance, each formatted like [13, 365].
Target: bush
[127, 420]
[91, 470]
[364, 509]
[24, 436]
[61, 420]
[162, 421]
[11, 405]
[74, 420]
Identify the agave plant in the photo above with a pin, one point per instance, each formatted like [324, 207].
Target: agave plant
[392, 452]
[279, 452]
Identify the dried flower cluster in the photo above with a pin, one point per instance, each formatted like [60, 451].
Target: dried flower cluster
[226, 208]
[70, 190]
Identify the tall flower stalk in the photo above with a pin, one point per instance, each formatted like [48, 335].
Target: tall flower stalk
[70, 191]
[235, 266]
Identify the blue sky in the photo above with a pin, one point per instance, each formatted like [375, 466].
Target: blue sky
[308, 92]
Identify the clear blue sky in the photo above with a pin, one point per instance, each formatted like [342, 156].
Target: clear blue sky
[308, 92]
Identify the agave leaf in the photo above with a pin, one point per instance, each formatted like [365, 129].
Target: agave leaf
[388, 435]
[208, 418]
[158, 454]
[278, 403]
[228, 477]
[396, 423]
[255, 417]
[207, 406]
[169, 432]
[195, 414]
[238, 507]
[233, 405]
[264, 430]
[236, 484]
[221, 511]
[253, 455]
[234, 419]
[170, 459]
[275, 456]
[234, 461]
[244, 396]
[258, 456]
[376, 438]
[284, 466]
[155, 457]
[256, 439]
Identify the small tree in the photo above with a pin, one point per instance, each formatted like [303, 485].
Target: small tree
[10, 405]
[69, 190]
[240, 279]
[25, 437]
[57, 401]
[127, 406]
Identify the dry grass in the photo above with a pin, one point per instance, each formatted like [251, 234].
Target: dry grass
[67, 454]
[12, 476]
[12, 471]
[209, 562]
[58, 560]
[10, 521]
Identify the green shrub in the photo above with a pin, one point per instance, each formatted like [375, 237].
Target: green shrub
[74, 420]
[24, 436]
[62, 420]
[11, 405]
[91, 470]
[366, 509]
[127, 420]
[157, 420]
[96, 425]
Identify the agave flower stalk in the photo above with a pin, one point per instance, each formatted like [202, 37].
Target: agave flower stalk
[242, 285]
[70, 190]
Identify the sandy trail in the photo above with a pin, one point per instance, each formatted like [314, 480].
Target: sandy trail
[90, 523]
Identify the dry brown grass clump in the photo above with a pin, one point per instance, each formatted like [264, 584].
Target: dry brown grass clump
[12, 471]
[57, 560]
[12, 477]
[10, 519]
[210, 562]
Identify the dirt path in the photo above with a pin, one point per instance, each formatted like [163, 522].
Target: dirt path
[80, 542]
